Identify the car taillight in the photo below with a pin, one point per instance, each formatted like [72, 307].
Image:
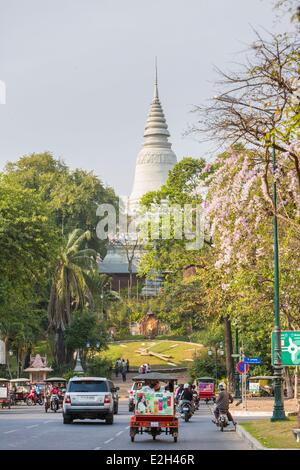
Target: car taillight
[107, 399]
[68, 399]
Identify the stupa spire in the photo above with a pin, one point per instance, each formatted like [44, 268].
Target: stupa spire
[156, 157]
[155, 96]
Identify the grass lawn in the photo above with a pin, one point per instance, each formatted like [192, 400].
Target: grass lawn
[277, 434]
[181, 352]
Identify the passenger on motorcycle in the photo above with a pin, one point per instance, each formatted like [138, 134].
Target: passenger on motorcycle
[222, 405]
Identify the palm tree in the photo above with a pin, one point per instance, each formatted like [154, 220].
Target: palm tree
[69, 290]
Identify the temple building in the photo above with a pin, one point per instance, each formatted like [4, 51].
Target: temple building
[154, 161]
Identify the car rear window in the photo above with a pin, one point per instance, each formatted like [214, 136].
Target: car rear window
[87, 386]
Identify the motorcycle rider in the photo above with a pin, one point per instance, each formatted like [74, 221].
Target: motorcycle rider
[222, 404]
[186, 396]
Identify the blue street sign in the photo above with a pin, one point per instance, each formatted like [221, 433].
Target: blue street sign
[252, 360]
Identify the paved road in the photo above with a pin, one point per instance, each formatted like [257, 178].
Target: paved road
[31, 428]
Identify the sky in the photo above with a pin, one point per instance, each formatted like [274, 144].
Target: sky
[79, 74]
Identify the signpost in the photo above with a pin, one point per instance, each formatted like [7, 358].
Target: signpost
[290, 348]
[242, 367]
[252, 360]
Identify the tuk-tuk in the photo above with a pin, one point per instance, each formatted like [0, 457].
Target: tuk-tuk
[4, 393]
[54, 402]
[261, 386]
[19, 389]
[154, 411]
[206, 389]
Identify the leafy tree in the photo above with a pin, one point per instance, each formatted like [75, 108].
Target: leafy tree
[69, 290]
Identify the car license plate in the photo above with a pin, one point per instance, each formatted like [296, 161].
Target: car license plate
[154, 424]
[86, 399]
[185, 409]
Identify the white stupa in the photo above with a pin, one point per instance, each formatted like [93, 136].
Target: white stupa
[156, 158]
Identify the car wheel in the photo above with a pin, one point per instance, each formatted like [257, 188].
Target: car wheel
[109, 419]
[67, 419]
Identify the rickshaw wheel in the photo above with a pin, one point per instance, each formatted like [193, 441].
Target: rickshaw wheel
[154, 436]
[175, 438]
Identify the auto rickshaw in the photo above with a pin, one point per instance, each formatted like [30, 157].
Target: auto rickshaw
[206, 389]
[154, 411]
[19, 389]
[61, 384]
[4, 393]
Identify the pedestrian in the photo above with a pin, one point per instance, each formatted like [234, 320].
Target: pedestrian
[127, 365]
[123, 371]
[117, 368]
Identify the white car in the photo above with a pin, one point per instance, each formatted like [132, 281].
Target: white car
[89, 398]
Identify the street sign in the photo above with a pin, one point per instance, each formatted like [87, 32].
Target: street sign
[252, 360]
[242, 367]
[290, 348]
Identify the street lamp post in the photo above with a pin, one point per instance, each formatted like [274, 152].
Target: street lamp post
[237, 393]
[278, 410]
[218, 352]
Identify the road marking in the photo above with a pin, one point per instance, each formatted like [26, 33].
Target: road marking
[109, 440]
[45, 422]
[98, 448]
[32, 426]
[119, 433]
[8, 432]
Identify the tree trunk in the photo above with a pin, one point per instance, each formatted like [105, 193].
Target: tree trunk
[27, 358]
[60, 353]
[229, 352]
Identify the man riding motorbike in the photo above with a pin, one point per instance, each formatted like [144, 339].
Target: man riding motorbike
[186, 396]
[222, 405]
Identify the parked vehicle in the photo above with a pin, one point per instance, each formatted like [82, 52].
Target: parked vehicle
[206, 389]
[19, 390]
[54, 401]
[154, 412]
[89, 398]
[135, 386]
[4, 393]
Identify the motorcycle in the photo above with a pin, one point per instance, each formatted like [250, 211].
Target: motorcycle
[34, 399]
[223, 421]
[186, 411]
[54, 402]
[196, 400]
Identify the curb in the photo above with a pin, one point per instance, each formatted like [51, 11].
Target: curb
[250, 440]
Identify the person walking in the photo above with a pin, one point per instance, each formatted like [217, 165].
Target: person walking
[124, 370]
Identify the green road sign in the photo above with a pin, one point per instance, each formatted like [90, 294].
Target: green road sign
[290, 348]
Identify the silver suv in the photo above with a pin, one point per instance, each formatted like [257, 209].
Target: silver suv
[89, 398]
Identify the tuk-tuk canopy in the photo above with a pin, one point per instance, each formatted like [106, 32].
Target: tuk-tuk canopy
[55, 379]
[155, 376]
[206, 379]
[262, 377]
[20, 380]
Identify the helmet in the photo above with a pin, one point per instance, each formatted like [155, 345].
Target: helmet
[222, 387]
[186, 386]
